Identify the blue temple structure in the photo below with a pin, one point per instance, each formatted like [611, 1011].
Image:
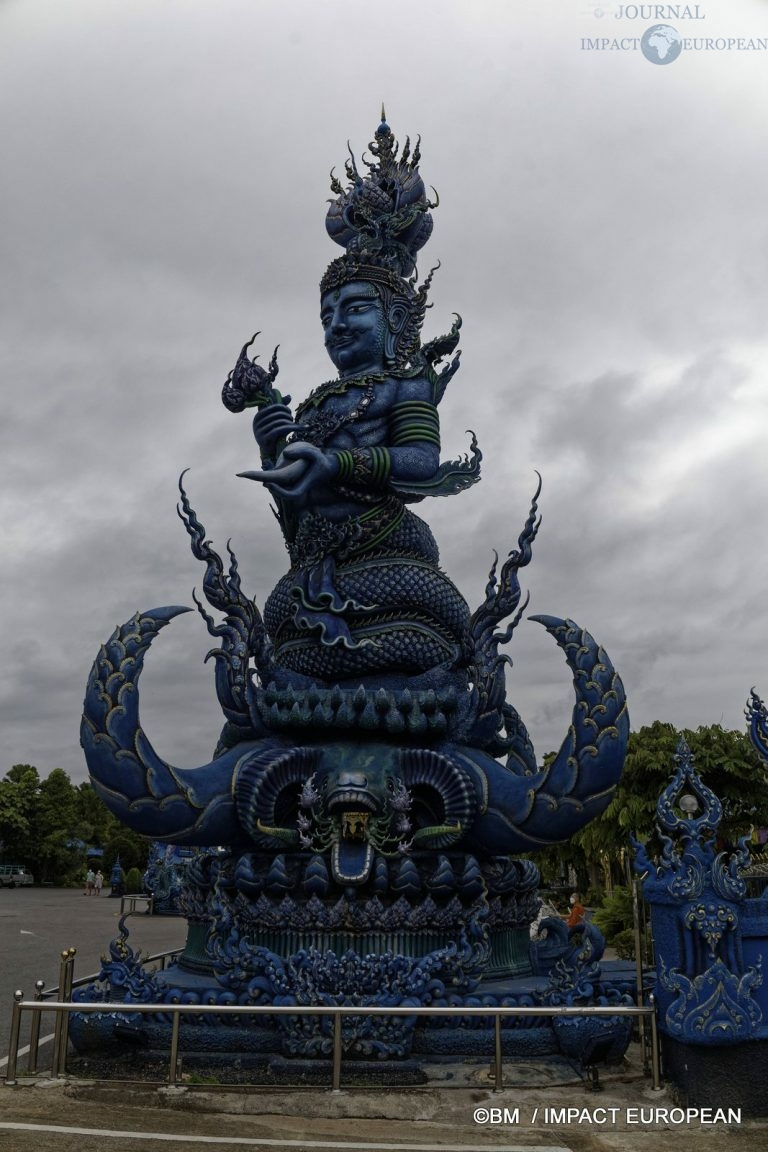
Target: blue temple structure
[757, 715]
[372, 784]
[711, 940]
[165, 876]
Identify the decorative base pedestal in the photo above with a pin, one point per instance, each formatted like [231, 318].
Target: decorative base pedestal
[735, 1076]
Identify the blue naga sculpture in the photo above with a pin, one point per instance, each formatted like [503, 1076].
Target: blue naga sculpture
[371, 780]
[757, 715]
[164, 876]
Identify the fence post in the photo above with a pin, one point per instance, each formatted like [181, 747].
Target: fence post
[498, 1071]
[13, 1043]
[336, 1083]
[65, 993]
[655, 1055]
[632, 883]
[61, 1031]
[59, 1017]
[34, 1033]
[174, 1047]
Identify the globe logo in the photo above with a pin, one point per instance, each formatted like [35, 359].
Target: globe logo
[661, 44]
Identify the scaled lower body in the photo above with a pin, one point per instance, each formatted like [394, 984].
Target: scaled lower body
[377, 603]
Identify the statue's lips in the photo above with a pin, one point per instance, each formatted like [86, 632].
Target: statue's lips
[341, 341]
[352, 799]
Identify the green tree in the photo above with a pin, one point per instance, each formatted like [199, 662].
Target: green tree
[45, 823]
[130, 848]
[726, 762]
[94, 819]
[59, 857]
[19, 791]
[98, 827]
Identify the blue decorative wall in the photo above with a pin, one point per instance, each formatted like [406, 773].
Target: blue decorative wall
[711, 941]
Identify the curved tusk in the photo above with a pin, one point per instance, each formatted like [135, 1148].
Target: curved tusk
[288, 835]
[454, 831]
[591, 758]
[181, 805]
[524, 810]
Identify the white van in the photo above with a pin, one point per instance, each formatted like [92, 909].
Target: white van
[15, 876]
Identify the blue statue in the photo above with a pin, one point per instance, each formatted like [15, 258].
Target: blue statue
[358, 781]
[757, 715]
[710, 942]
[163, 878]
[117, 879]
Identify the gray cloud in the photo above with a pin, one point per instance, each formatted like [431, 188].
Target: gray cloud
[601, 229]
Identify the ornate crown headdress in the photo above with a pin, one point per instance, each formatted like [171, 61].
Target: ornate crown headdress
[382, 219]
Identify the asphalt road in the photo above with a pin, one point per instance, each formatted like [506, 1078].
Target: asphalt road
[36, 924]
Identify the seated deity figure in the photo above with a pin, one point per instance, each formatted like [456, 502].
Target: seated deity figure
[355, 436]
[365, 594]
[366, 717]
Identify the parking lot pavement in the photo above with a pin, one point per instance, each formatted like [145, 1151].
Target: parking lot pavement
[37, 923]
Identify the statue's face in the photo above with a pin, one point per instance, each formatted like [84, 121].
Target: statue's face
[355, 327]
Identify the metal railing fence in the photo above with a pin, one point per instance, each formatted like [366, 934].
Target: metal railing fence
[66, 983]
[176, 1011]
[164, 958]
[130, 902]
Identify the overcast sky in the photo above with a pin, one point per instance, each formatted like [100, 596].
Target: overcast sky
[602, 231]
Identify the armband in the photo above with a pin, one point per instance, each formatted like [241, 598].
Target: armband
[369, 467]
[414, 421]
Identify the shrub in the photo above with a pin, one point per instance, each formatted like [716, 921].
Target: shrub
[126, 848]
[594, 897]
[133, 885]
[624, 943]
[615, 915]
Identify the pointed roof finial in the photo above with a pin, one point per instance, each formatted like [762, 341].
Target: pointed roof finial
[384, 132]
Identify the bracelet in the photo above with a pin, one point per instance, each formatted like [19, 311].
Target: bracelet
[370, 467]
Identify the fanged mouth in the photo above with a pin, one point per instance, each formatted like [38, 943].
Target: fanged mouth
[351, 798]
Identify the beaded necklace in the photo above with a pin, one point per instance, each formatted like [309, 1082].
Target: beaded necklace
[320, 426]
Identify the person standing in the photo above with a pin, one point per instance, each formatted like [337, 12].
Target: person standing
[98, 882]
[89, 882]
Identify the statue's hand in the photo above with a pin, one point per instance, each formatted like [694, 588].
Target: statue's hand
[300, 467]
[271, 425]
